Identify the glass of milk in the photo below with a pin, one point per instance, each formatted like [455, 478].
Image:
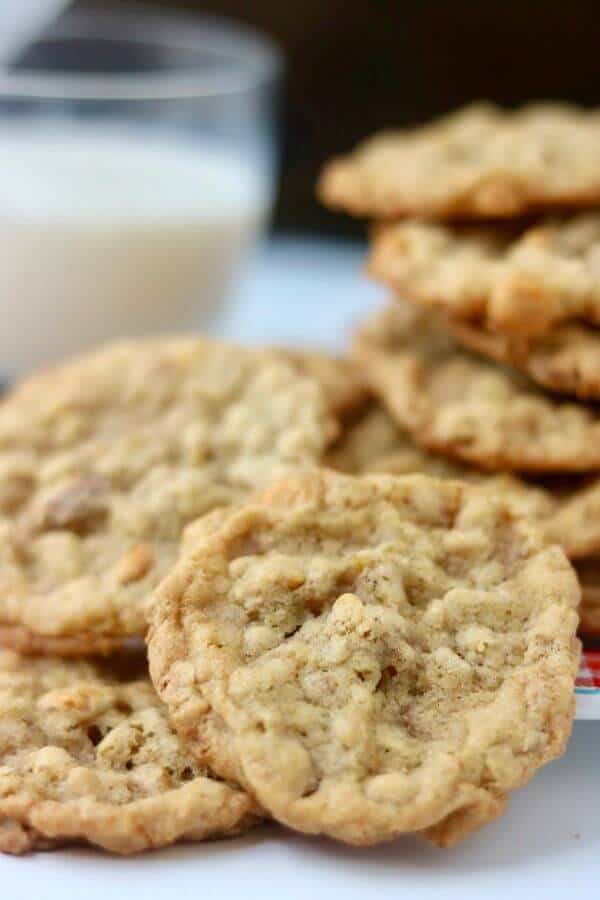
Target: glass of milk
[137, 163]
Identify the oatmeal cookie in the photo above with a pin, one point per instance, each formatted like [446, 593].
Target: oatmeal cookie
[523, 281]
[566, 361]
[478, 162]
[103, 461]
[385, 654]
[462, 406]
[88, 756]
[566, 509]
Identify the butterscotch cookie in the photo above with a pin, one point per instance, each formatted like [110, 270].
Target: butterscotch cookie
[385, 654]
[519, 281]
[565, 509]
[588, 571]
[85, 756]
[462, 406]
[104, 461]
[478, 162]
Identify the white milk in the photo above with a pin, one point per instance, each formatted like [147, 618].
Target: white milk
[110, 234]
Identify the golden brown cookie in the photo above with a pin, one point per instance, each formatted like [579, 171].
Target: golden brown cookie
[385, 654]
[479, 162]
[463, 406]
[567, 360]
[88, 756]
[522, 281]
[565, 509]
[103, 462]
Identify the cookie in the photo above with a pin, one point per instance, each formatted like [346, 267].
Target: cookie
[87, 756]
[523, 281]
[341, 379]
[566, 361]
[385, 654]
[464, 407]
[565, 509]
[588, 571]
[479, 162]
[103, 462]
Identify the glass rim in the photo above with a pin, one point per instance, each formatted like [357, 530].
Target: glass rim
[142, 24]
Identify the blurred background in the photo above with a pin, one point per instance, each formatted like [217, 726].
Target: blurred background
[138, 147]
[354, 66]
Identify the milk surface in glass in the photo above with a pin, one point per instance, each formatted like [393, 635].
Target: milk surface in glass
[108, 233]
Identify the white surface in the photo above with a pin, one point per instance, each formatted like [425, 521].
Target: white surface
[588, 705]
[546, 846]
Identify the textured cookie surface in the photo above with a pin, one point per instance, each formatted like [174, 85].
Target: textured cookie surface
[387, 654]
[463, 406]
[478, 162]
[88, 756]
[523, 281]
[105, 460]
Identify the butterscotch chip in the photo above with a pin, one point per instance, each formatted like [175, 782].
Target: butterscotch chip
[588, 571]
[565, 509]
[462, 406]
[87, 756]
[479, 162]
[386, 654]
[105, 460]
[518, 281]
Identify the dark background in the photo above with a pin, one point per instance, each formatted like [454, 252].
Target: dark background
[354, 67]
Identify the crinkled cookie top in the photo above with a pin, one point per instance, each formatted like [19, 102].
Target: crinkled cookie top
[479, 162]
[86, 755]
[384, 654]
[522, 281]
[461, 405]
[103, 462]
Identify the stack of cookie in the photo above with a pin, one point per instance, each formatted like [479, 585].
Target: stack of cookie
[205, 626]
[488, 358]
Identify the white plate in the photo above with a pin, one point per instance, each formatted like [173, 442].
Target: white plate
[546, 846]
